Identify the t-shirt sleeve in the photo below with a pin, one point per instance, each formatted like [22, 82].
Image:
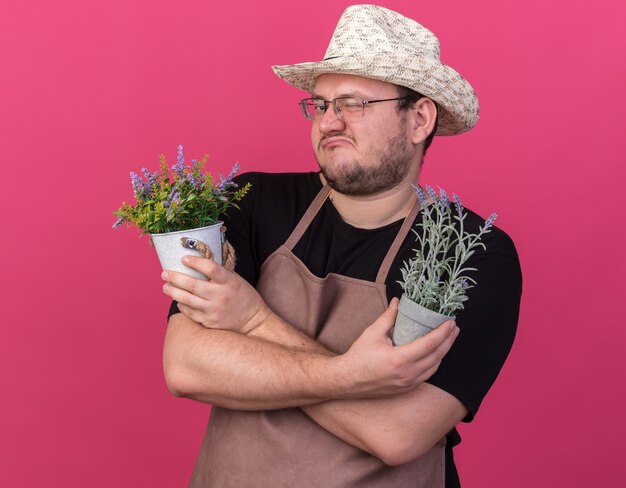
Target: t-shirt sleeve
[239, 229]
[487, 324]
[238, 223]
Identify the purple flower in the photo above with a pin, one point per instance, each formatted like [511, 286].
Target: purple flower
[195, 178]
[192, 181]
[173, 198]
[420, 195]
[489, 222]
[143, 189]
[228, 181]
[151, 179]
[443, 199]
[432, 193]
[463, 283]
[179, 167]
[138, 185]
[458, 205]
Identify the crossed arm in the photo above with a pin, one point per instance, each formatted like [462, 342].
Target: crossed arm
[227, 348]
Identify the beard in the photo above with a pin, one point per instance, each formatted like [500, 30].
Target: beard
[357, 179]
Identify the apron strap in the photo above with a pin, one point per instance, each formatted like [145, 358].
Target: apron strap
[308, 217]
[314, 208]
[395, 246]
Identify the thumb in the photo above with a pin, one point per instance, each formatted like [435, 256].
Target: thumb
[387, 319]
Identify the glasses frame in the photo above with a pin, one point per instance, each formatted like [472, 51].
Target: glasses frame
[338, 109]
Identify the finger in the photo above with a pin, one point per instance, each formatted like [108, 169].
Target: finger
[207, 267]
[383, 324]
[434, 357]
[181, 280]
[432, 341]
[201, 288]
[427, 374]
[183, 296]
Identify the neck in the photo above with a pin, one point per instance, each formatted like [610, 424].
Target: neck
[371, 212]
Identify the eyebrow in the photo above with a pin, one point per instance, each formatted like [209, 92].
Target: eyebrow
[315, 95]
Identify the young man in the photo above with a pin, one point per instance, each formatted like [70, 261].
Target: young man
[293, 349]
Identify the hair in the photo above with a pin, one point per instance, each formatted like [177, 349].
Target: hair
[409, 99]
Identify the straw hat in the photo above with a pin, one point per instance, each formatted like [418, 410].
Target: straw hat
[378, 43]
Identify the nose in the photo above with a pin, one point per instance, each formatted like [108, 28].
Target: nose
[330, 121]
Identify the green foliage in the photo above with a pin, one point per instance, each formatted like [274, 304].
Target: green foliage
[179, 199]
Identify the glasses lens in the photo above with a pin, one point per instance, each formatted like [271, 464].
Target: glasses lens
[348, 106]
[312, 107]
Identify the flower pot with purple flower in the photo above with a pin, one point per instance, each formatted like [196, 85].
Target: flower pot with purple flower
[181, 209]
[435, 280]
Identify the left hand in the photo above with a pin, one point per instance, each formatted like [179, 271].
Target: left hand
[226, 301]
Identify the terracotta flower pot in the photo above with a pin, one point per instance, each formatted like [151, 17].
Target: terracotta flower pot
[414, 321]
[172, 246]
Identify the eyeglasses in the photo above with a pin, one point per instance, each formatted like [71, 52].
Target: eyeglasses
[313, 108]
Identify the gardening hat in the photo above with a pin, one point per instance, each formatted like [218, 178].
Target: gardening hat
[378, 43]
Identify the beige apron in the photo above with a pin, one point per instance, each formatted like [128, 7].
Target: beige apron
[285, 448]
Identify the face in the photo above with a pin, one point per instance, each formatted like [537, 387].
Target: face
[364, 153]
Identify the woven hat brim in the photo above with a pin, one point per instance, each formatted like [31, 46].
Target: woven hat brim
[458, 104]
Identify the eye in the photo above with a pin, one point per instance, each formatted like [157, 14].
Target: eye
[351, 103]
[317, 105]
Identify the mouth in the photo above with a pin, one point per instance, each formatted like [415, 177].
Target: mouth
[335, 141]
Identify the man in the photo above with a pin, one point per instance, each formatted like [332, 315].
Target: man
[293, 350]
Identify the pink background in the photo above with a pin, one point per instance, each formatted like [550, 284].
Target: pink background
[92, 90]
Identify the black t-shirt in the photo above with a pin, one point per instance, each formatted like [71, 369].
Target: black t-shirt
[273, 207]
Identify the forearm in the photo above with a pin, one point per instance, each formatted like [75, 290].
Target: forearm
[396, 429]
[277, 331]
[245, 372]
[229, 349]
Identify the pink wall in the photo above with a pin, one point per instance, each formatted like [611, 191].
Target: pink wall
[92, 90]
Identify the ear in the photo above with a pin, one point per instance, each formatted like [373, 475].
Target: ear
[424, 114]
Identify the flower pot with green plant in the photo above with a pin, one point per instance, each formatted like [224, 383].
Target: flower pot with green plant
[435, 281]
[181, 210]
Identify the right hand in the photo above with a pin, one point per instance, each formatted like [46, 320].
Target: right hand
[378, 369]
[226, 301]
